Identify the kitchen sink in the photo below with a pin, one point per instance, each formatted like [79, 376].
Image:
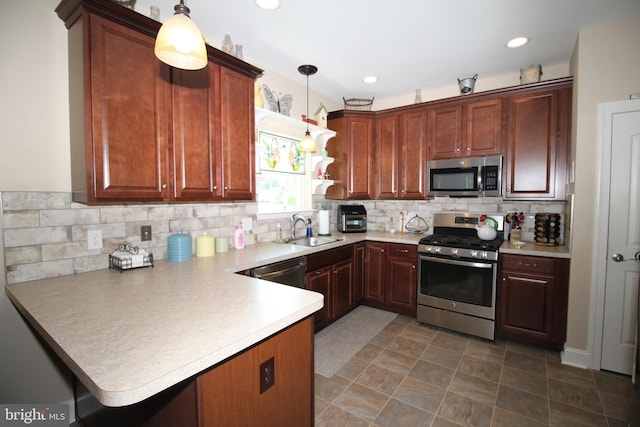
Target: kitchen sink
[313, 241]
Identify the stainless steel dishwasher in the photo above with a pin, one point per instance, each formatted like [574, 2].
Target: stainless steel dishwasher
[290, 272]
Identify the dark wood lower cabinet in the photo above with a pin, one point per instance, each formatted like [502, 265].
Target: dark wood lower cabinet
[331, 273]
[391, 277]
[228, 394]
[533, 297]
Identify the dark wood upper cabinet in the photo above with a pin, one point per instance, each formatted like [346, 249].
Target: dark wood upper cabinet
[124, 144]
[195, 146]
[465, 129]
[537, 144]
[400, 153]
[413, 154]
[142, 131]
[387, 156]
[352, 149]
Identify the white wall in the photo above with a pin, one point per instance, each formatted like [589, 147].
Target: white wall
[605, 65]
[34, 112]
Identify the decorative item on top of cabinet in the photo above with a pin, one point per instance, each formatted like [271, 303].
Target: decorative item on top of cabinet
[537, 141]
[132, 99]
[352, 148]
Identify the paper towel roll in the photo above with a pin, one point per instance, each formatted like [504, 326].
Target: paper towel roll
[323, 223]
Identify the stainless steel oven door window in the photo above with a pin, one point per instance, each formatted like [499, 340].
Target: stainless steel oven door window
[467, 287]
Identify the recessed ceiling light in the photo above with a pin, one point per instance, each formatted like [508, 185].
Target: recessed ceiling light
[517, 42]
[370, 79]
[268, 4]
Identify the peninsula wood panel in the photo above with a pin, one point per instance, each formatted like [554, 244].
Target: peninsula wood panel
[229, 394]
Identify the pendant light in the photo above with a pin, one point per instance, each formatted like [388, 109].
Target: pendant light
[179, 42]
[307, 143]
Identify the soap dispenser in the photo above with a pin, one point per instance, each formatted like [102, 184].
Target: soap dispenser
[238, 237]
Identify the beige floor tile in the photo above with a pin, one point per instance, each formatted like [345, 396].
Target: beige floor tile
[451, 341]
[475, 388]
[380, 379]
[480, 368]
[522, 403]
[336, 417]
[563, 415]
[526, 363]
[397, 413]
[465, 411]
[441, 356]
[570, 374]
[503, 418]
[485, 351]
[353, 368]
[524, 381]
[582, 397]
[420, 394]
[433, 374]
[361, 401]
[395, 361]
[407, 346]
[412, 374]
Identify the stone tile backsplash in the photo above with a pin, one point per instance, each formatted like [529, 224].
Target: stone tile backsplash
[45, 234]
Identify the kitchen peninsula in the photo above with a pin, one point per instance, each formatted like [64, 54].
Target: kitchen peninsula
[129, 336]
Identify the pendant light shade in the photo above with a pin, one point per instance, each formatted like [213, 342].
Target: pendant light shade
[179, 42]
[308, 143]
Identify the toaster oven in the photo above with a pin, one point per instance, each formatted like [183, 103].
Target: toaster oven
[352, 219]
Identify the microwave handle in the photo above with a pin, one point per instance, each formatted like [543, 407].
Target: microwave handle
[480, 181]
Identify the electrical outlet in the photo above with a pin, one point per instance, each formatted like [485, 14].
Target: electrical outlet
[145, 233]
[247, 225]
[94, 239]
[267, 375]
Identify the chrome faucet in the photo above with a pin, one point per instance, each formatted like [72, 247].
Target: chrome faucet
[294, 220]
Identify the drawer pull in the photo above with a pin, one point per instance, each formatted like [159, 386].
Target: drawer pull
[403, 251]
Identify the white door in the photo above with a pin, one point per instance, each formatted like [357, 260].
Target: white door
[623, 243]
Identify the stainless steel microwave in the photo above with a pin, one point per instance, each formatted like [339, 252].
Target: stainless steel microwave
[466, 177]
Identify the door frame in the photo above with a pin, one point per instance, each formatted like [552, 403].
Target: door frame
[601, 224]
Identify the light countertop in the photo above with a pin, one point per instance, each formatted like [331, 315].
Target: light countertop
[130, 335]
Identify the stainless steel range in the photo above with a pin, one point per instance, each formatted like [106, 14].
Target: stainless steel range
[457, 275]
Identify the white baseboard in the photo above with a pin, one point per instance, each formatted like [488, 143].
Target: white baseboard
[575, 357]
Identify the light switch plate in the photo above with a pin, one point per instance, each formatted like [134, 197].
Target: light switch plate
[247, 224]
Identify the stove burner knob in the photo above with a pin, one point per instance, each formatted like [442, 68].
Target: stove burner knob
[454, 251]
[474, 254]
[437, 249]
[484, 254]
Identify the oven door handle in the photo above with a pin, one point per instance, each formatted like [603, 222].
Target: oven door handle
[457, 262]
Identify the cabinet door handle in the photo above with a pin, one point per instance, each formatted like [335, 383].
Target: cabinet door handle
[215, 187]
[317, 272]
[165, 186]
[226, 187]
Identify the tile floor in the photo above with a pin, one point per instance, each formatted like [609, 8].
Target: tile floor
[412, 374]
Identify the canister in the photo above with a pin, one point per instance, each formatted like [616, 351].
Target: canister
[222, 244]
[179, 247]
[205, 245]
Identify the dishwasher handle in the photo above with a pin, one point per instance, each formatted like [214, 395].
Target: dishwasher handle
[268, 275]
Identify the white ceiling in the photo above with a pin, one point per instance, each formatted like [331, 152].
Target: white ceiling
[407, 44]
